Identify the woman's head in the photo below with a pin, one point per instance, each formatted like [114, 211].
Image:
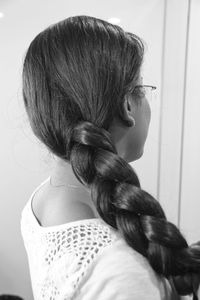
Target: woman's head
[79, 79]
[83, 69]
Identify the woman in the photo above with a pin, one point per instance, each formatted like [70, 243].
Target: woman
[90, 231]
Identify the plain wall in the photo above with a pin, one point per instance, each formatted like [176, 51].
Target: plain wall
[169, 168]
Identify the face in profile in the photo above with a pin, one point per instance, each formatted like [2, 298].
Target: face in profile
[140, 130]
[130, 140]
[136, 135]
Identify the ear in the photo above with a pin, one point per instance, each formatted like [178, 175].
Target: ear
[128, 109]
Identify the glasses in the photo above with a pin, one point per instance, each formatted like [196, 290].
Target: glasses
[144, 91]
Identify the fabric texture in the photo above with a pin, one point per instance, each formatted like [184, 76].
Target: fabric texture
[87, 260]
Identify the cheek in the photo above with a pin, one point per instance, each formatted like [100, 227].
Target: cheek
[138, 134]
[145, 117]
[143, 121]
[147, 113]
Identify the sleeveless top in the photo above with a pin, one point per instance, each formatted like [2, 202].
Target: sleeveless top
[87, 260]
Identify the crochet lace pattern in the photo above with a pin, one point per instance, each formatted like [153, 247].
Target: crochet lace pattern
[60, 256]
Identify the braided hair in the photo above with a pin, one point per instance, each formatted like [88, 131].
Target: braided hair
[76, 74]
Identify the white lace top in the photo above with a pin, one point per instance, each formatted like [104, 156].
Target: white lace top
[87, 260]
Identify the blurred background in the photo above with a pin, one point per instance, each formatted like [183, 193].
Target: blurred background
[170, 166]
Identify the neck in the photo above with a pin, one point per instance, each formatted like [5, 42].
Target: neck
[63, 174]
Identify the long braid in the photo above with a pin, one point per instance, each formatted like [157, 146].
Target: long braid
[120, 201]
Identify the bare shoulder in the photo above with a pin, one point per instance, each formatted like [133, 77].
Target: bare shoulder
[59, 207]
[65, 213]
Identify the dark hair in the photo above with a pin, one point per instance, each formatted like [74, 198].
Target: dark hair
[10, 297]
[76, 74]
